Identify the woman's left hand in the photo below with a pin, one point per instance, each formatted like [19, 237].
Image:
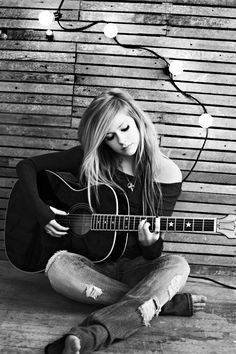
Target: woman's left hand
[145, 236]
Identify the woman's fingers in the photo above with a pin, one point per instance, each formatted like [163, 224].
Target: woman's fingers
[58, 211]
[140, 230]
[55, 229]
[57, 226]
[146, 237]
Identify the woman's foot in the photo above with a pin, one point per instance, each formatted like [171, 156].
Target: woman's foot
[72, 345]
[199, 302]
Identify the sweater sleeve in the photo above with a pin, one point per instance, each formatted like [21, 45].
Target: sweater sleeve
[27, 170]
[170, 194]
[153, 251]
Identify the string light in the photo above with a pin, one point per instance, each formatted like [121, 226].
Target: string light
[3, 34]
[174, 68]
[49, 35]
[46, 18]
[205, 120]
[110, 30]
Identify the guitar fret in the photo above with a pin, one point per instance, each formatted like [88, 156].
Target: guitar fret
[126, 223]
[138, 219]
[153, 224]
[108, 222]
[113, 224]
[198, 225]
[188, 224]
[93, 221]
[121, 224]
[104, 221]
[179, 224]
[120, 220]
[151, 221]
[132, 219]
[98, 221]
[101, 221]
[171, 224]
[209, 224]
[163, 224]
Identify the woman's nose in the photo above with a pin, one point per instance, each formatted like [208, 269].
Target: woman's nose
[121, 139]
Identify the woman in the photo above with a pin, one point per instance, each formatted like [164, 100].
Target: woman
[119, 148]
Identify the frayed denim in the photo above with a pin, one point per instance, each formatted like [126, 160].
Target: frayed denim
[133, 292]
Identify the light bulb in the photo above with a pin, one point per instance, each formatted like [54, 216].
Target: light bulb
[3, 34]
[110, 30]
[205, 120]
[176, 68]
[46, 18]
[49, 35]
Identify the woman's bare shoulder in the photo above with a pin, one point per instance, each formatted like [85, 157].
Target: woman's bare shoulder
[169, 171]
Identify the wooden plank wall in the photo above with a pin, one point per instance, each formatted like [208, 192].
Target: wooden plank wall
[45, 86]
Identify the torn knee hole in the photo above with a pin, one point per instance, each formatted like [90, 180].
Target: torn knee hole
[93, 291]
[150, 309]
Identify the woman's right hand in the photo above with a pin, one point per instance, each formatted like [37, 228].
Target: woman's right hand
[53, 228]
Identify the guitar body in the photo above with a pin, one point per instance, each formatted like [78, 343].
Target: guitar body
[29, 247]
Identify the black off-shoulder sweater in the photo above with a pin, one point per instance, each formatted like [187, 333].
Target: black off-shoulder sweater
[70, 161]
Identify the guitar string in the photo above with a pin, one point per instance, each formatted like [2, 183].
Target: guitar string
[137, 218]
[133, 224]
[133, 216]
[163, 219]
[119, 218]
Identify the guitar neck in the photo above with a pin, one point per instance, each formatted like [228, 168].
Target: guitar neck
[131, 222]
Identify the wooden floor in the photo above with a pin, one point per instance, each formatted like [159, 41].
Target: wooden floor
[32, 315]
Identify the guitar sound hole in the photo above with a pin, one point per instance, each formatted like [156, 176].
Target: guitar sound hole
[80, 221]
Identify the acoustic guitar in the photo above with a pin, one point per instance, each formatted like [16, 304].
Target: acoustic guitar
[98, 230]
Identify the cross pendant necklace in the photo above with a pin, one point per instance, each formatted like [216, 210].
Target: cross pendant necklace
[130, 185]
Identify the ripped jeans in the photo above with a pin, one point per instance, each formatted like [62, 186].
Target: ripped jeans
[133, 290]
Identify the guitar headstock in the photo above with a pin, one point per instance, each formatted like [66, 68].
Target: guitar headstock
[227, 226]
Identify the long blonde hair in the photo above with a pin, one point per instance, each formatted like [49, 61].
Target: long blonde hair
[99, 165]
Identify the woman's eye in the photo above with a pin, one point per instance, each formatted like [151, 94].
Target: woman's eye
[125, 128]
[109, 137]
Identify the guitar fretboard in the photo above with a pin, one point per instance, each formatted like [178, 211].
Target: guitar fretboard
[130, 223]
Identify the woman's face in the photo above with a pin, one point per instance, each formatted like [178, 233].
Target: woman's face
[123, 136]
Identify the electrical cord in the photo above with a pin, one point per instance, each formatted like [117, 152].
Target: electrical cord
[133, 46]
[58, 16]
[214, 281]
[198, 156]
